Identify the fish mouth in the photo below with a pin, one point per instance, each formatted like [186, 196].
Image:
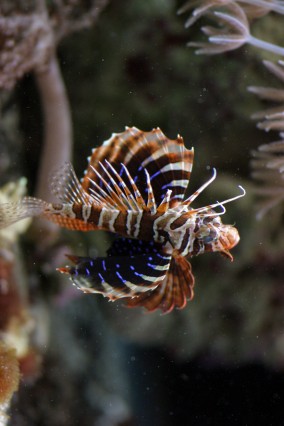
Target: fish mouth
[233, 237]
[229, 237]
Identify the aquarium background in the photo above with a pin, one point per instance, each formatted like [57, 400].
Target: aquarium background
[220, 361]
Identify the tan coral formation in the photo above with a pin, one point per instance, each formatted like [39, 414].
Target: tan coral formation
[9, 373]
[273, 118]
[16, 322]
[9, 379]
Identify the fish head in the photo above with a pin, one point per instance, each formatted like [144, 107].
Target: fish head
[214, 236]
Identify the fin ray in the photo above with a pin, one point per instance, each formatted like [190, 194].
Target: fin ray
[172, 292]
[66, 187]
[113, 276]
[167, 161]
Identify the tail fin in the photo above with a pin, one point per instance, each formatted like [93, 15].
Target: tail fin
[27, 207]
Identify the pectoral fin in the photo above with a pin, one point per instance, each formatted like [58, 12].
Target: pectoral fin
[127, 272]
[173, 292]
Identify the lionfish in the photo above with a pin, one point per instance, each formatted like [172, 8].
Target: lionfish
[134, 186]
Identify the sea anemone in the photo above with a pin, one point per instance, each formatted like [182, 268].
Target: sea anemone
[233, 28]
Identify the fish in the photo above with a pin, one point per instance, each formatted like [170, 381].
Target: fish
[134, 187]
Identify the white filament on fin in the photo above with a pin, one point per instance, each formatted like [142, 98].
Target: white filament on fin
[190, 199]
[219, 204]
[151, 203]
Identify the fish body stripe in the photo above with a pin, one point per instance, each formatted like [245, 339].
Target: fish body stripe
[174, 229]
[86, 212]
[111, 222]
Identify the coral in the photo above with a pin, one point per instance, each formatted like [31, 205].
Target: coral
[29, 40]
[12, 192]
[29, 45]
[16, 322]
[233, 28]
[268, 161]
[9, 379]
[253, 8]
[9, 373]
[273, 118]
[234, 20]
[26, 45]
[134, 68]
[267, 168]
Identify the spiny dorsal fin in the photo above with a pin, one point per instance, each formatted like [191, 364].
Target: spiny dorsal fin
[165, 204]
[115, 191]
[151, 202]
[167, 161]
[66, 187]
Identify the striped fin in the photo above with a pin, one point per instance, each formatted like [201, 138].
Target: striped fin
[112, 192]
[129, 270]
[113, 189]
[167, 162]
[173, 292]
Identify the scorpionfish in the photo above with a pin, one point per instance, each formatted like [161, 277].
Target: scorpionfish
[134, 187]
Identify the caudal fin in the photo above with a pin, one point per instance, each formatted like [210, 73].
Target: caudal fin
[13, 212]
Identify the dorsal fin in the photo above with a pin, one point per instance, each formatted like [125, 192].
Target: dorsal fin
[163, 207]
[115, 191]
[66, 187]
[167, 162]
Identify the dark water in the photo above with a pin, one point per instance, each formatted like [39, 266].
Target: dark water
[167, 393]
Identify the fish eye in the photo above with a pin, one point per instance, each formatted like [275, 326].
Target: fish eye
[207, 236]
[209, 239]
